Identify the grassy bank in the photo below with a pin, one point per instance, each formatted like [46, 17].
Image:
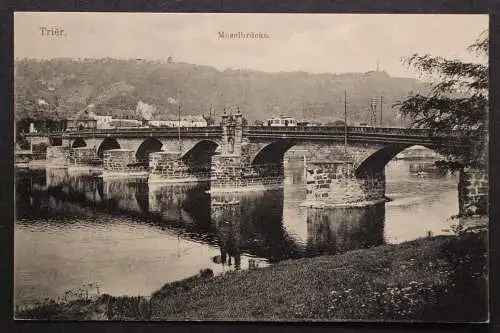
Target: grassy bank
[431, 279]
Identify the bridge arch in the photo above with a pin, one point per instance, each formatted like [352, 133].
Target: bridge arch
[150, 145]
[107, 144]
[377, 161]
[78, 143]
[200, 153]
[272, 153]
[55, 141]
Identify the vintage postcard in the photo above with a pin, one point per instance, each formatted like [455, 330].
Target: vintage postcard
[251, 167]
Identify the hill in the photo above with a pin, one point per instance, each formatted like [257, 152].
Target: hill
[62, 87]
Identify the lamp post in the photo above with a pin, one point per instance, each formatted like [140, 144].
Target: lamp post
[179, 130]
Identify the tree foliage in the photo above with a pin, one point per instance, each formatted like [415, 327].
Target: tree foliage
[458, 100]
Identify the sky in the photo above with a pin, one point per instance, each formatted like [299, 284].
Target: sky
[316, 43]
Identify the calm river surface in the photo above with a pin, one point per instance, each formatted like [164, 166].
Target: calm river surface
[74, 228]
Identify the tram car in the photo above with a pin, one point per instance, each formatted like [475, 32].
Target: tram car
[282, 122]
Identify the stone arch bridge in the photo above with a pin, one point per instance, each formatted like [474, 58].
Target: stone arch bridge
[236, 157]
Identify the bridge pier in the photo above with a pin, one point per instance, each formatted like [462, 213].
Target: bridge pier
[122, 161]
[58, 155]
[83, 156]
[334, 184]
[165, 166]
[230, 173]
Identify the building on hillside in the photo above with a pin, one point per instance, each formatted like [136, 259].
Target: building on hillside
[195, 121]
[172, 121]
[83, 121]
[103, 122]
[117, 113]
[108, 118]
[123, 123]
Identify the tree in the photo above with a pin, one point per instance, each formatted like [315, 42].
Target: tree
[458, 100]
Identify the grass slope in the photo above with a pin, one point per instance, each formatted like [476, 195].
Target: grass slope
[433, 279]
[441, 278]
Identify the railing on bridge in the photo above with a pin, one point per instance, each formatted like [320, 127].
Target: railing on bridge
[149, 131]
[216, 131]
[339, 130]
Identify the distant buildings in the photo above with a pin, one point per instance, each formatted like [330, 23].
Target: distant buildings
[83, 122]
[144, 115]
[103, 122]
[171, 121]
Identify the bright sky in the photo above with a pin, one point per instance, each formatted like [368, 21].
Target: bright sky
[317, 43]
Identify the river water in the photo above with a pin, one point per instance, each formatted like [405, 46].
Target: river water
[74, 228]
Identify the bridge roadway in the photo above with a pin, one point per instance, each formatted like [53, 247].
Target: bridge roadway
[335, 133]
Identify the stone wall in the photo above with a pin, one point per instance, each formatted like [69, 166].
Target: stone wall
[38, 146]
[473, 188]
[83, 156]
[229, 172]
[329, 185]
[57, 154]
[122, 160]
[169, 166]
[23, 157]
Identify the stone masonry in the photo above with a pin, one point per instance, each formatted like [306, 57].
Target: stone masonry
[331, 184]
[473, 190]
[83, 156]
[169, 166]
[230, 173]
[122, 160]
[38, 146]
[57, 154]
[251, 157]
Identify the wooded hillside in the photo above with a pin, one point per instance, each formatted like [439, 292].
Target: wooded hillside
[68, 86]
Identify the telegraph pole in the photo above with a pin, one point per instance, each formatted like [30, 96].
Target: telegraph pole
[381, 108]
[373, 111]
[345, 132]
[179, 130]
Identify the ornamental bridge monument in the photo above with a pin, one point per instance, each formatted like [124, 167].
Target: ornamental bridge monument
[344, 166]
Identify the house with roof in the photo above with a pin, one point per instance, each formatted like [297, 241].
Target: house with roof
[82, 121]
[170, 120]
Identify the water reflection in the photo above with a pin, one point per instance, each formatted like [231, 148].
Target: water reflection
[343, 229]
[425, 168]
[86, 227]
[226, 217]
[251, 223]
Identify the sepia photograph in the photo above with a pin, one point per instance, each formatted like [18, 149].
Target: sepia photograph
[251, 167]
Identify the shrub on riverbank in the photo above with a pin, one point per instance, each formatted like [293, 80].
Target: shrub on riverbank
[431, 279]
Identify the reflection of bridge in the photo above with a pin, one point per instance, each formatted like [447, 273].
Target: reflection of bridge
[239, 222]
[234, 156]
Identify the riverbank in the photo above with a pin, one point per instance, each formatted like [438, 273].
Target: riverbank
[441, 278]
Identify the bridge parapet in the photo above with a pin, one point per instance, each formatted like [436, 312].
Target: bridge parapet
[207, 132]
[352, 130]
